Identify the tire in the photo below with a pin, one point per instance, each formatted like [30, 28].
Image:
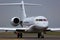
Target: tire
[39, 34]
[42, 36]
[20, 35]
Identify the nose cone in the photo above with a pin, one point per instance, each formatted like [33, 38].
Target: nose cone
[44, 24]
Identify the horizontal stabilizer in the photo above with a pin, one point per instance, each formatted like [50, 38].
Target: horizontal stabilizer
[10, 4]
[31, 4]
[27, 4]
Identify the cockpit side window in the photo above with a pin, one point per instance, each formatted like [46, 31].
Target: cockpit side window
[45, 19]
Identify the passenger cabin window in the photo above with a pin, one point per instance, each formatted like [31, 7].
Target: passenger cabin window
[41, 20]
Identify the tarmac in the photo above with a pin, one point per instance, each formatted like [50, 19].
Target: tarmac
[28, 36]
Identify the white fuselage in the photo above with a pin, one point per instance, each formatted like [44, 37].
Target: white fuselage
[40, 22]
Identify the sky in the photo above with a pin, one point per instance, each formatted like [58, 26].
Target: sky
[49, 8]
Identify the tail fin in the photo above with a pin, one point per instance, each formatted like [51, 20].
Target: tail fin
[23, 9]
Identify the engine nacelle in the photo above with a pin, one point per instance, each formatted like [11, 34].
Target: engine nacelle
[15, 21]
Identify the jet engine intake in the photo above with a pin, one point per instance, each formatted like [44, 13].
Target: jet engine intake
[15, 21]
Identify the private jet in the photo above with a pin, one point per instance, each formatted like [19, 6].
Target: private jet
[38, 24]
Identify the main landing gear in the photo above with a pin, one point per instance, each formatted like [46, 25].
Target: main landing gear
[19, 35]
[41, 35]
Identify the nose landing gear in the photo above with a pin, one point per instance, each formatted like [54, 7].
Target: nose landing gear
[41, 35]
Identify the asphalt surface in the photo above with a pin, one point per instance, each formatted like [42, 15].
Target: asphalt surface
[28, 36]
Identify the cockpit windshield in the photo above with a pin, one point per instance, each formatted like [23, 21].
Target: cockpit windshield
[41, 19]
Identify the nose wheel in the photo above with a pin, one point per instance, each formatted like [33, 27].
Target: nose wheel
[41, 35]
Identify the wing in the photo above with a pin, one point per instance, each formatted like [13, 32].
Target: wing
[54, 29]
[13, 29]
